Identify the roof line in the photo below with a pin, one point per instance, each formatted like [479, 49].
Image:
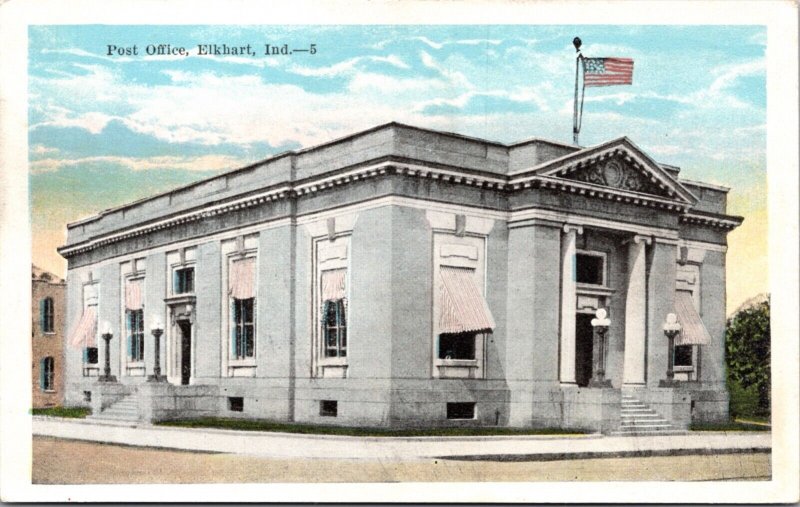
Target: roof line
[296, 152]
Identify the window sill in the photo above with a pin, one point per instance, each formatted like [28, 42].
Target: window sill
[594, 290]
[333, 370]
[49, 391]
[471, 363]
[682, 369]
[242, 363]
[342, 361]
[458, 368]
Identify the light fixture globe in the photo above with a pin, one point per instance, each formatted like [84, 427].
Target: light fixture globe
[671, 323]
[105, 327]
[601, 319]
[156, 325]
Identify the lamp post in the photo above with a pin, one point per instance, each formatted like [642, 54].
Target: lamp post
[106, 335]
[671, 329]
[600, 326]
[157, 328]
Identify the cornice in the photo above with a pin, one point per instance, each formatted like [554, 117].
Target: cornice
[592, 190]
[494, 182]
[726, 222]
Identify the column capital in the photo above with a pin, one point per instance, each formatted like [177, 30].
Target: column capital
[638, 238]
[573, 227]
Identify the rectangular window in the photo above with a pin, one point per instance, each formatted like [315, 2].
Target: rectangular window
[457, 346]
[47, 315]
[589, 269]
[683, 355]
[334, 328]
[135, 326]
[328, 408]
[87, 396]
[461, 410]
[47, 374]
[183, 281]
[90, 355]
[244, 322]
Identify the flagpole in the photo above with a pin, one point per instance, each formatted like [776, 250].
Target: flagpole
[575, 127]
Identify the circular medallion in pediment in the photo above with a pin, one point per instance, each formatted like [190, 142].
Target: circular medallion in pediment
[613, 173]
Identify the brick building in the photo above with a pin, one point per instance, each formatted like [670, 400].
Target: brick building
[48, 307]
[408, 277]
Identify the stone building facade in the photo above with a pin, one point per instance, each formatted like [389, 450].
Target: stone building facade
[48, 309]
[408, 277]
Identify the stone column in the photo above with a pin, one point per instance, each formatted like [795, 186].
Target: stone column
[568, 295]
[635, 314]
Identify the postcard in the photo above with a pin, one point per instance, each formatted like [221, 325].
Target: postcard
[408, 251]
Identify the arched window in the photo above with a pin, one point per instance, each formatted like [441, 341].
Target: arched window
[46, 315]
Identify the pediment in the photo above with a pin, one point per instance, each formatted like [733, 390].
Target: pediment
[618, 165]
[615, 172]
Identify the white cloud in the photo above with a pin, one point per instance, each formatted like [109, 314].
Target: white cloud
[666, 149]
[40, 149]
[200, 163]
[455, 77]
[729, 74]
[464, 42]
[366, 81]
[346, 66]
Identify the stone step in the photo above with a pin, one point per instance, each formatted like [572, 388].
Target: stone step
[637, 418]
[620, 433]
[646, 425]
[126, 409]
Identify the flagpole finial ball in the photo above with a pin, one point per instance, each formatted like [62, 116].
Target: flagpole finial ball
[577, 43]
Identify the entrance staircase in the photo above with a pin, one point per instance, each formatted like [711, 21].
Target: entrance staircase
[637, 418]
[124, 410]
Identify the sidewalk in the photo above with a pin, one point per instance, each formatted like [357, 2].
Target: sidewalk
[505, 448]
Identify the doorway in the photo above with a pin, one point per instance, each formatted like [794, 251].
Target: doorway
[185, 351]
[583, 348]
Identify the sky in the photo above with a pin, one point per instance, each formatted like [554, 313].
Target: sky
[109, 129]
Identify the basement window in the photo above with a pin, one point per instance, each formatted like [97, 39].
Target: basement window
[236, 404]
[328, 408]
[87, 396]
[461, 410]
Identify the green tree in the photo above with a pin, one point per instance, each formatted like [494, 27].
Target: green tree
[747, 347]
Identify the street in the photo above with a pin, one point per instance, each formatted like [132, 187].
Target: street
[59, 461]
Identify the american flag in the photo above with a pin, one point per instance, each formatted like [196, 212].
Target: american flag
[607, 71]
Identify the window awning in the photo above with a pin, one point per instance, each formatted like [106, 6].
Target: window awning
[693, 331]
[241, 279]
[332, 283]
[84, 334]
[133, 295]
[462, 308]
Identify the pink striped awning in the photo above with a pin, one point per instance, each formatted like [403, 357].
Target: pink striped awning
[84, 334]
[462, 308]
[242, 279]
[133, 295]
[333, 282]
[693, 331]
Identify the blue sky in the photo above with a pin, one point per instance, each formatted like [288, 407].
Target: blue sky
[105, 130]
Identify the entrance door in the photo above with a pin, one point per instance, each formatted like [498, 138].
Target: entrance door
[583, 348]
[186, 351]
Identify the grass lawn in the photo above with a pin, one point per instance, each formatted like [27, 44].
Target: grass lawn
[264, 425]
[729, 426]
[72, 412]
